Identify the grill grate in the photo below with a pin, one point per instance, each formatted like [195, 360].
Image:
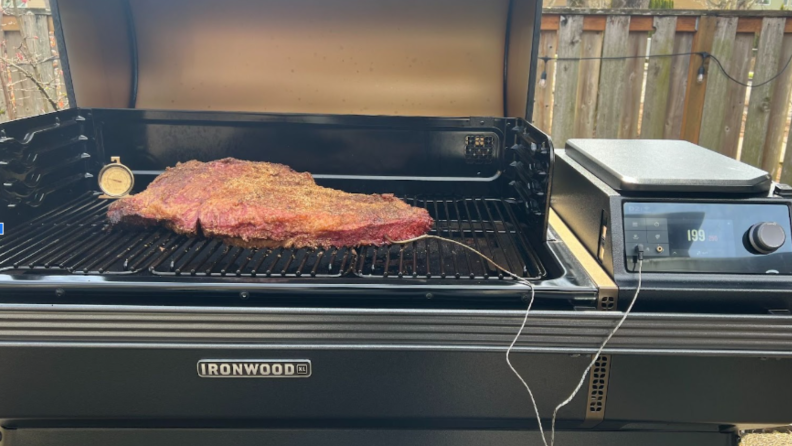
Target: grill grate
[75, 239]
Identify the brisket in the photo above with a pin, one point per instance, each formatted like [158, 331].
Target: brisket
[257, 204]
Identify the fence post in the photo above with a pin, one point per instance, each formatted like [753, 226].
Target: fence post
[779, 109]
[611, 89]
[759, 105]
[694, 97]
[735, 106]
[543, 105]
[658, 78]
[588, 84]
[710, 135]
[630, 111]
[569, 30]
[786, 168]
[676, 93]
[5, 101]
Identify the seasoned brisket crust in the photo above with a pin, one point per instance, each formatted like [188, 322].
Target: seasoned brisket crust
[257, 204]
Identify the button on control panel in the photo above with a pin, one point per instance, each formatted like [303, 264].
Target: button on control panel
[650, 232]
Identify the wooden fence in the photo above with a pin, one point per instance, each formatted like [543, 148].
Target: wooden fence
[31, 79]
[651, 96]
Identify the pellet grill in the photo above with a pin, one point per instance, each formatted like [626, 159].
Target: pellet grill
[118, 336]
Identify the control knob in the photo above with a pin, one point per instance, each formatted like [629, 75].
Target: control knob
[766, 237]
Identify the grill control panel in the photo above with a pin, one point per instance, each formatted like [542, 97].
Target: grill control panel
[739, 238]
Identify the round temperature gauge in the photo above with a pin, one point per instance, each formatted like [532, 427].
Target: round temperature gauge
[116, 180]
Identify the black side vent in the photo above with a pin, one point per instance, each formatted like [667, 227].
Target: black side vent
[530, 161]
[43, 156]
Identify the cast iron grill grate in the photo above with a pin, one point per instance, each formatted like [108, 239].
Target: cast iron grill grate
[75, 239]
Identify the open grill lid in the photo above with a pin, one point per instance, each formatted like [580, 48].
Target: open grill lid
[449, 58]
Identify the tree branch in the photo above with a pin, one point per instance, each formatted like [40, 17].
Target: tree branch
[33, 78]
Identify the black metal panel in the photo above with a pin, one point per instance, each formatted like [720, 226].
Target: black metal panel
[108, 385]
[697, 389]
[350, 437]
[395, 329]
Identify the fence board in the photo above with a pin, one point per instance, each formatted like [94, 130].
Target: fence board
[543, 100]
[564, 107]
[630, 117]
[5, 103]
[740, 65]
[759, 104]
[676, 93]
[779, 110]
[588, 84]
[611, 89]
[37, 40]
[786, 172]
[22, 97]
[658, 79]
[715, 99]
[694, 97]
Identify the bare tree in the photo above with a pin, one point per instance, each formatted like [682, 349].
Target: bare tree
[33, 58]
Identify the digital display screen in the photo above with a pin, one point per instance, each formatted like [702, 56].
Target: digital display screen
[694, 238]
[704, 237]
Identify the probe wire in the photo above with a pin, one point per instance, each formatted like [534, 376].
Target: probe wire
[525, 319]
[522, 280]
[599, 352]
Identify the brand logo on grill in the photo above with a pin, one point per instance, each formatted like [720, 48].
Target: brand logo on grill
[2, 228]
[246, 368]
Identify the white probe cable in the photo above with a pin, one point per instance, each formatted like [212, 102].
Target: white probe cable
[585, 372]
[602, 347]
[508, 361]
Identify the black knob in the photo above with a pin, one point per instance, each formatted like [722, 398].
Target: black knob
[766, 237]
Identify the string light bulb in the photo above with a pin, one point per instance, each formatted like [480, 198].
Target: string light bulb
[701, 70]
[543, 79]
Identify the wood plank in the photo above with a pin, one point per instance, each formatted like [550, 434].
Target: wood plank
[611, 89]
[788, 26]
[543, 101]
[676, 94]
[564, 108]
[588, 84]
[759, 105]
[658, 79]
[21, 88]
[5, 103]
[630, 112]
[550, 22]
[39, 48]
[9, 23]
[641, 23]
[687, 24]
[594, 23]
[715, 100]
[779, 110]
[669, 12]
[694, 97]
[749, 24]
[786, 172]
[740, 65]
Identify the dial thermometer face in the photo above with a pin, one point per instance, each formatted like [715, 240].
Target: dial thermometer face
[116, 180]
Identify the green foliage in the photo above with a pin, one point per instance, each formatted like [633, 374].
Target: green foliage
[661, 4]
